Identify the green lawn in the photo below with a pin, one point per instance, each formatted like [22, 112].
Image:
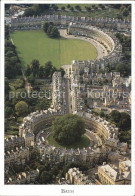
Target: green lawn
[108, 12]
[36, 45]
[83, 143]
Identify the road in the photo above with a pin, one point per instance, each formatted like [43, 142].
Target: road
[101, 50]
[67, 95]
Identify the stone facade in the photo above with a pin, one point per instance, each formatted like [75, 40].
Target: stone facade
[17, 157]
[86, 155]
[24, 178]
[110, 174]
[37, 22]
[13, 142]
[57, 91]
[107, 39]
[76, 177]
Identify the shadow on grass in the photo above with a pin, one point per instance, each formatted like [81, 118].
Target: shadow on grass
[83, 143]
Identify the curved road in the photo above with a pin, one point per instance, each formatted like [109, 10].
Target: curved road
[101, 50]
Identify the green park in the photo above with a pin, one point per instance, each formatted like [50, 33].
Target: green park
[60, 51]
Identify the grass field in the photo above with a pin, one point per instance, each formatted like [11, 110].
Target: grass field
[36, 45]
[108, 12]
[83, 143]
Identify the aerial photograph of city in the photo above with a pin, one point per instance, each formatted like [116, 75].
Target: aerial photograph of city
[67, 94]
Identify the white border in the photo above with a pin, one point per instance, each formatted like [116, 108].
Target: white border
[105, 190]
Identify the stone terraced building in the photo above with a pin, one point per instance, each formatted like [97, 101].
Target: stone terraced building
[110, 174]
[76, 177]
[37, 22]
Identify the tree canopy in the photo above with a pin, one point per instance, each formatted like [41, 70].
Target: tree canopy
[122, 119]
[35, 70]
[51, 30]
[21, 108]
[68, 129]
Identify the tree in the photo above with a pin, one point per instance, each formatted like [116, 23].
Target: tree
[53, 32]
[68, 6]
[115, 116]
[7, 87]
[21, 108]
[72, 9]
[48, 69]
[29, 12]
[122, 8]
[124, 70]
[63, 8]
[125, 12]
[35, 67]
[77, 7]
[28, 70]
[93, 6]
[44, 7]
[10, 54]
[6, 31]
[68, 129]
[55, 7]
[43, 104]
[102, 114]
[45, 177]
[12, 62]
[102, 6]
[31, 79]
[45, 27]
[125, 121]
[41, 72]
[8, 111]
[88, 9]
[36, 9]
[81, 166]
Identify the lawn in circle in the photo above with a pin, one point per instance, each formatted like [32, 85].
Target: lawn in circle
[35, 44]
[83, 143]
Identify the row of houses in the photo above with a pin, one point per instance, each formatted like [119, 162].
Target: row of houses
[29, 177]
[30, 22]
[86, 155]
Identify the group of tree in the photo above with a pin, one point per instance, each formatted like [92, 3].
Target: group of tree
[35, 70]
[124, 10]
[20, 104]
[36, 9]
[78, 8]
[12, 62]
[49, 173]
[68, 129]
[51, 30]
[125, 67]
[121, 119]
[123, 122]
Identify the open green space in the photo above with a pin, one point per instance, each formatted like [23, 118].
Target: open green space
[37, 45]
[83, 143]
[108, 12]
